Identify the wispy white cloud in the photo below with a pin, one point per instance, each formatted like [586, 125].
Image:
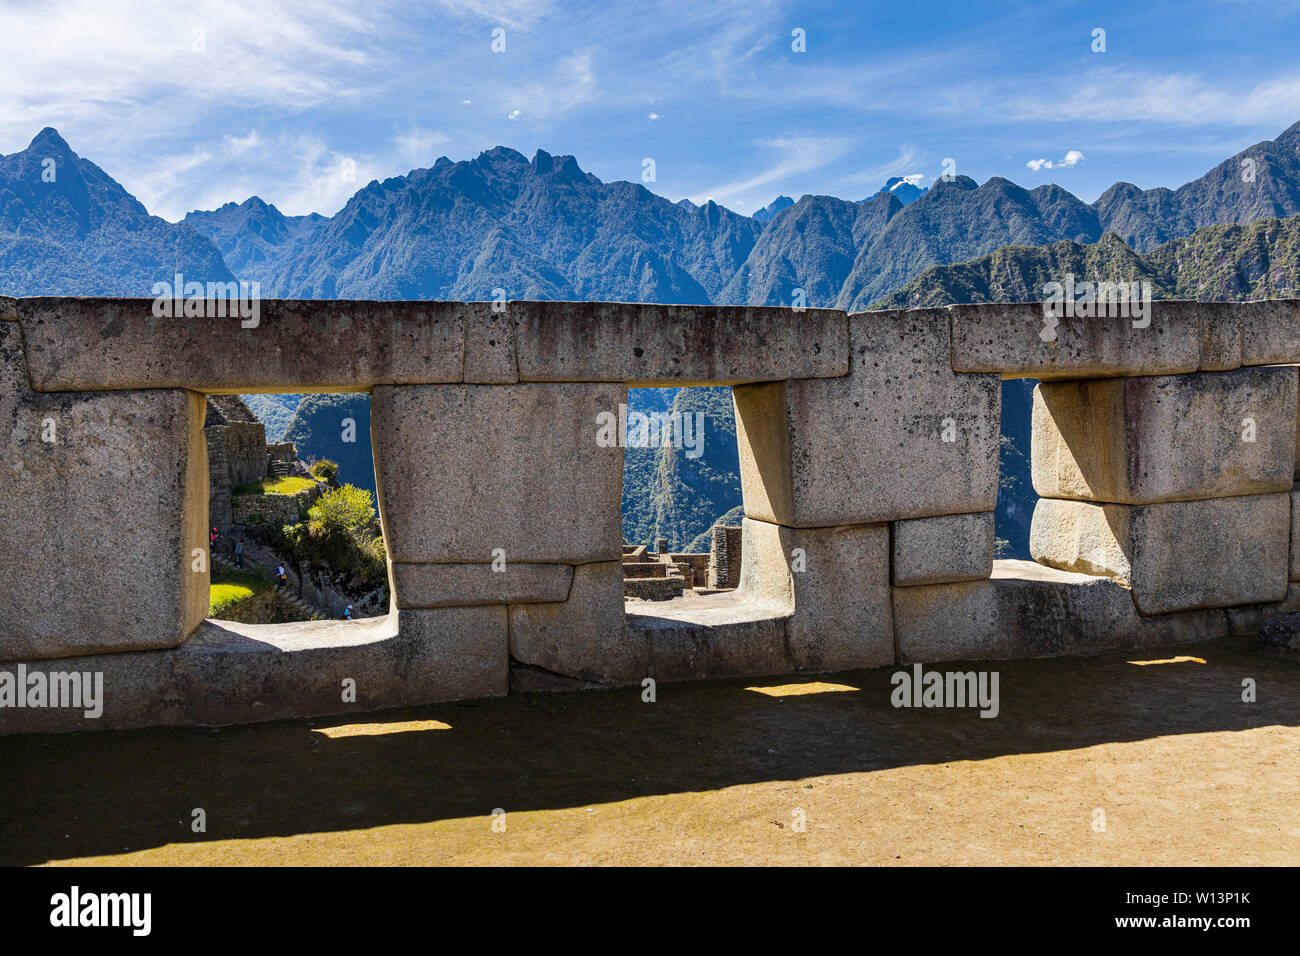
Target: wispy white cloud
[1072, 158]
[1137, 96]
[874, 176]
[418, 145]
[795, 156]
[282, 93]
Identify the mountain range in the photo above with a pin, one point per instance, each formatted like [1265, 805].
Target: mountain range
[543, 228]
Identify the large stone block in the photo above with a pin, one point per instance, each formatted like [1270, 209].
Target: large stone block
[1166, 438]
[901, 436]
[585, 637]
[229, 673]
[833, 583]
[1297, 446]
[676, 344]
[466, 469]
[740, 639]
[464, 585]
[943, 549]
[1026, 611]
[490, 350]
[296, 346]
[1294, 566]
[1246, 620]
[103, 504]
[1220, 334]
[1009, 339]
[1270, 332]
[1280, 637]
[1175, 556]
[240, 673]
[8, 309]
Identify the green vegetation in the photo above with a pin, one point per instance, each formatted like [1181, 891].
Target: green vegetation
[341, 532]
[704, 541]
[274, 411]
[325, 470]
[288, 485]
[229, 588]
[1213, 264]
[320, 429]
[668, 494]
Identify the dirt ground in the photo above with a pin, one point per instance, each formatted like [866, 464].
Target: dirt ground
[1182, 769]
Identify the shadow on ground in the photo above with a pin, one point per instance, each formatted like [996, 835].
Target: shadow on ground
[79, 795]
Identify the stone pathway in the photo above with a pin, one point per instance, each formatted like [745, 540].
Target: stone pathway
[309, 611]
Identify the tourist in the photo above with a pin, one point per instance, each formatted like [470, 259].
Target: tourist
[279, 573]
[347, 613]
[239, 554]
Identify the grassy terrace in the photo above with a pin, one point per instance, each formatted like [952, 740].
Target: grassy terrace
[274, 486]
[228, 588]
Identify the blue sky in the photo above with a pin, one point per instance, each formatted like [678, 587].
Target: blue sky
[192, 104]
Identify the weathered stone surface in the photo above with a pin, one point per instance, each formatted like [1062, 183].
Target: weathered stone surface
[872, 446]
[943, 549]
[8, 309]
[464, 585]
[466, 469]
[297, 346]
[490, 350]
[732, 638]
[1025, 610]
[1297, 449]
[1280, 637]
[1008, 339]
[98, 526]
[1166, 438]
[1082, 537]
[676, 344]
[584, 637]
[1294, 570]
[1270, 332]
[1247, 620]
[1175, 556]
[233, 673]
[1220, 334]
[838, 605]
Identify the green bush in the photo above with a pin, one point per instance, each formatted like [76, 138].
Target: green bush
[341, 532]
[325, 469]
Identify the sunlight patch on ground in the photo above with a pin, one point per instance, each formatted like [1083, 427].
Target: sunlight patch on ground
[798, 690]
[380, 730]
[1171, 660]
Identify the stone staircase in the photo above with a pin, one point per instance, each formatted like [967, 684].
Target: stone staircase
[308, 611]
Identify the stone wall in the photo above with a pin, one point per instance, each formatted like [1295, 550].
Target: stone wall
[272, 509]
[724, 557]
[281, 457]
[237, 453]
[868, 444]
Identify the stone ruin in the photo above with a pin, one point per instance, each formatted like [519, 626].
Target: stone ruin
[661, 575]
[238, 453]
[1165, 457]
